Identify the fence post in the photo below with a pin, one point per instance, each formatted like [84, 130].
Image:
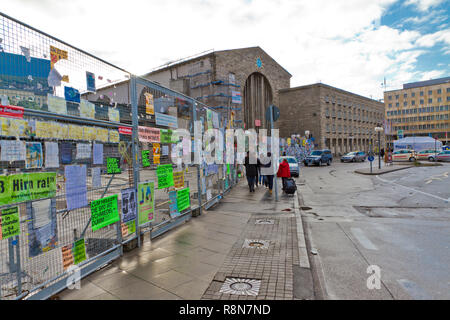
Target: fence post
[18, 267]
[199, 188]
[135, 146]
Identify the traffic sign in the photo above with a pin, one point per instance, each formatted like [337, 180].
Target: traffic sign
[276, 113]
[370, 158]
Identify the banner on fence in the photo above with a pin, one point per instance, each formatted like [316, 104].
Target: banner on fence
[128, 204]
[183, 199]
[104, 212]
[113, 165]
[146, 202]
[9, 223]
[148, 134]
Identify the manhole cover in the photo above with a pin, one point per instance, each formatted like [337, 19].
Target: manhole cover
[264, 221]
[256, 244]
[237, 286]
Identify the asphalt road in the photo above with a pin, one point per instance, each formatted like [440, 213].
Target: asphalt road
[397, 223]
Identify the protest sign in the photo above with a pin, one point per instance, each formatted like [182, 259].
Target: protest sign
[178, 179]
[104, 212]
[128, 204]
[183, 199]
[173, 206]
[113, 165]
[146, 158]
[164, 173]
[9, 223]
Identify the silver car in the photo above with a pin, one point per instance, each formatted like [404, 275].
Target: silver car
[354, 156]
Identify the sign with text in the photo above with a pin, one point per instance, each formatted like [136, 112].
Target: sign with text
[183, 199]
[9, 223]
[149, 106]
[11, 112]
[178, 179]
[113, 165]
[173, 206]
[27, 186]
[79, 251]
[126, 130]
[146, 158]
[146, 202]
[156, 153]
[166, 120]
[168, 136]
[104, 212]
[164, 173]
[148, 134]
[128, 204]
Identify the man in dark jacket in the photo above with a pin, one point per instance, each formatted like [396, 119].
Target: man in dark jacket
[251, 171]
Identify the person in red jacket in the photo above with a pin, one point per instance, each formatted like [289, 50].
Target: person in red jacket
[283, 171]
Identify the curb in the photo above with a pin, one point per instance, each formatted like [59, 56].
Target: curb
[302, 252]
[378, 173]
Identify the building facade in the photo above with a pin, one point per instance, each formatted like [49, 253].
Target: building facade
[238, 83]
[336, 119]
[419, 109]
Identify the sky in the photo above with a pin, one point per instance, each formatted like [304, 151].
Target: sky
[349, 44]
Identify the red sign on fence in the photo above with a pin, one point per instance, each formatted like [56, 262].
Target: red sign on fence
[126, 130]
[11, 112]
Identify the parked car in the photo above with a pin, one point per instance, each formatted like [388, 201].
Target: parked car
[354, 156]
[404, 155]
[318, 157]
[293, 165]
[427, 155]
[443, 156]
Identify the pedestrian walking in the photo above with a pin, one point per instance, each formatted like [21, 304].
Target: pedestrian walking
[267, 169]
[284, 172]
[251, 171]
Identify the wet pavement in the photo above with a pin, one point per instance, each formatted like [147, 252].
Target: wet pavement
[246, 247]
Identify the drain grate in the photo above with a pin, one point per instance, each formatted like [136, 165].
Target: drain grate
[265, 221]
[242, 287]
[256, 244]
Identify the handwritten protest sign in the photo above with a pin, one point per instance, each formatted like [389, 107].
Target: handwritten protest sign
[113, 165]
[164, 174]
[9, 223]
[178, 179]
[146, 158]
[147, 134]
[183, 199]
[104, 212]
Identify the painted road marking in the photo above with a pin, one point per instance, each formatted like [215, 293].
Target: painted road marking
[425, 193]
[366, 243]
[414, 290]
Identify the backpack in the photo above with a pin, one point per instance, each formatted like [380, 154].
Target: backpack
[289, 186]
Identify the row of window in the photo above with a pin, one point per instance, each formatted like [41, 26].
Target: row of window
[345, 129]
[424, 118]
[418, 110]
[364, 116]
[421, 101]
[422, 127]
[421, 93]
[343, 102]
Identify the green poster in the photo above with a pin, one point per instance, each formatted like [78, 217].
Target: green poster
[9, 223]
[183, 199]
[104, 212]
[146, 158]
[113, 165]
[164, 173]
[27, 186]
[228, 168]
[79, 251]
[168, 136]
[146, 202]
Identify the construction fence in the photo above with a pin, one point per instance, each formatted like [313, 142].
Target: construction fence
[86, 162]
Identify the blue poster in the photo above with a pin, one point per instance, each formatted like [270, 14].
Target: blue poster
[76, 186]
[166, 120]
[90, 81]
[173, 206]
[71, 94]
[66, 153]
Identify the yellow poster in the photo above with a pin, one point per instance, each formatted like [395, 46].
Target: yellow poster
[114, 114]
[87, 109]
[89, 133]
[102, 135]
[56, 104]
[114, 136]
[13, 127]
[56, 55]
[43, 129]
[62, 131]
[75, 132]
[156, 153]
[149, 107]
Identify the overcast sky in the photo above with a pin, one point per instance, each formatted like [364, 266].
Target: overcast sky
[350, 44]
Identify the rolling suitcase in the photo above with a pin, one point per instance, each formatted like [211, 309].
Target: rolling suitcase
[289, 186]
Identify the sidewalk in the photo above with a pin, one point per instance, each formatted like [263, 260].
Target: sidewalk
[247, 236]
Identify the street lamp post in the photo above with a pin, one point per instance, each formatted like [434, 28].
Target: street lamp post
[379, 130]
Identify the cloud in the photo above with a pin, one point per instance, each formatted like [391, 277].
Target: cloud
[423, 5]
[339, 42]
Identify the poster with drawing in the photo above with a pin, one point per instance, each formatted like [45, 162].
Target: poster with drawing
[34, 157]
[42, 229]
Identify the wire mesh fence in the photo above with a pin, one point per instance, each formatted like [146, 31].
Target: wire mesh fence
[86, 160]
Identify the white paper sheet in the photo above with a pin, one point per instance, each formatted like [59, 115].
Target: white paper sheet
[12, 150]
[83, 151]
[76, 188]
[42, 212]
[98, 153]
[51, 155]
[96, 177]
